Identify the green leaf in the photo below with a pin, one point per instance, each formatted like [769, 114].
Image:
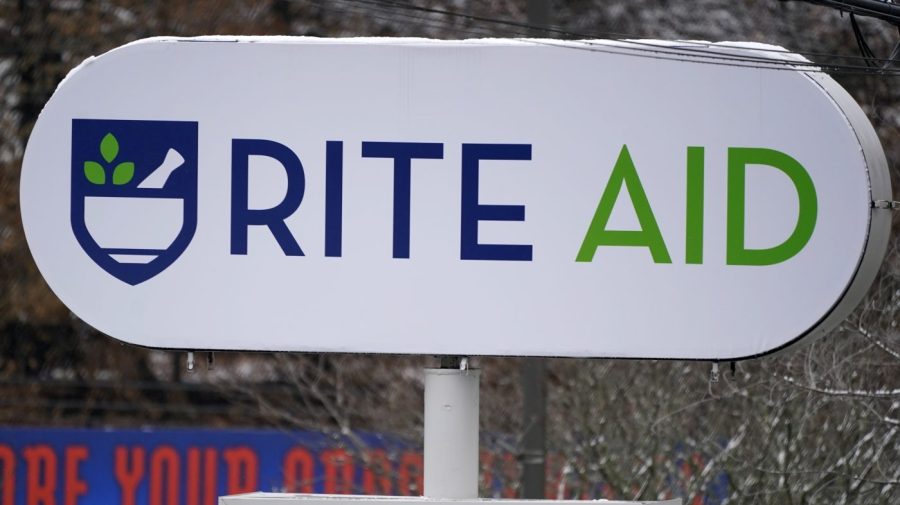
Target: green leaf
[123, 173]
[94, 172]
[109, 147]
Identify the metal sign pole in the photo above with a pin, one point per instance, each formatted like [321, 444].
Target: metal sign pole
[451, 430]
[451, 451]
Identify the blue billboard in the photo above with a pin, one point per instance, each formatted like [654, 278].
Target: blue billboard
[195, 466]
[50, 466]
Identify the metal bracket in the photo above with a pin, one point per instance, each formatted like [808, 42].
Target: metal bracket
[714, 372]
[886, 204]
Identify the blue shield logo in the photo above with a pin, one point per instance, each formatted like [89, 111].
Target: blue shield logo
[134, 193]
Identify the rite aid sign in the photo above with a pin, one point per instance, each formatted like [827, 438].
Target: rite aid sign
[486, 197]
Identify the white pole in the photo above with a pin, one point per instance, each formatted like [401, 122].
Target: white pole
[451, 433]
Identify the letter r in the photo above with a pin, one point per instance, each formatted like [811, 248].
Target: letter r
[242, 217]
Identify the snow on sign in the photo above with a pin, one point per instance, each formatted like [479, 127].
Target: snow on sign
[483, 197]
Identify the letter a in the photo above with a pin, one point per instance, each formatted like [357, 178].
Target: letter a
[624, 174]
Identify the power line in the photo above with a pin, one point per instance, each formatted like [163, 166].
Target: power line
[885, 11]
[695, 52]
[685, 51]
[879, 9]
[390, 16]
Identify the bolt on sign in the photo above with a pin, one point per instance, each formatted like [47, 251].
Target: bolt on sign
[481, 197]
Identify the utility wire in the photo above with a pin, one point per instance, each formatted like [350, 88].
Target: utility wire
[885, 11]
[686, 51]
[525, 28]
[864, 48]
[699, 47]
[395, 9]
[390, 16]
[694, 52]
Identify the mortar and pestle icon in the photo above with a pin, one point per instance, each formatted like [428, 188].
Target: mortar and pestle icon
[135, 229]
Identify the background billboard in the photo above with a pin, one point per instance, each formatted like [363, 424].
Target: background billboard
[195, 466]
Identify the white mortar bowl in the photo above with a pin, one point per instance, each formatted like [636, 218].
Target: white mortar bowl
[133, 223]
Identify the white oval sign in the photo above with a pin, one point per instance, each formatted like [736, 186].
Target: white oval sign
[491, 197]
